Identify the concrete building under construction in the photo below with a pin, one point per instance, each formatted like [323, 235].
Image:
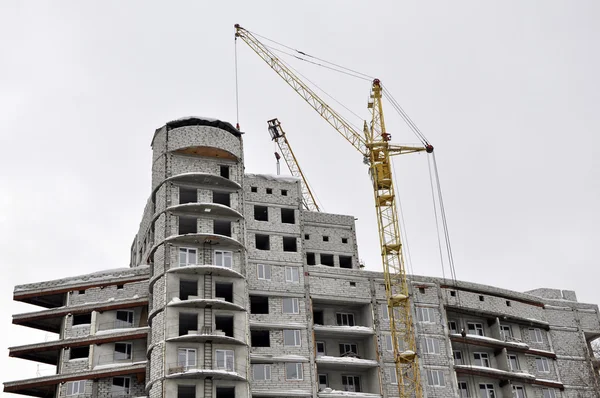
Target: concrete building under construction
[233, 290]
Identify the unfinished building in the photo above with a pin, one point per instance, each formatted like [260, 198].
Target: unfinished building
[234, 290]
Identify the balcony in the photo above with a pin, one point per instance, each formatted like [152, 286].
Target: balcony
[214, 210]
[201, 179]
[215, 270]
[45, 386]
[346, 362]
[490, 342]
[49, 352]
[177, 370]
[205, 334]
[51, 320]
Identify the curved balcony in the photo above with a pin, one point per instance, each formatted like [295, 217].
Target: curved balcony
[200, 209]
[202, 179]
[345, 362]
[178, 371]
[215, 270]
[198, 302]
[198, 239]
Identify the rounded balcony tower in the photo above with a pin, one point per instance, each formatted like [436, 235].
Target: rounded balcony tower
[195, 248]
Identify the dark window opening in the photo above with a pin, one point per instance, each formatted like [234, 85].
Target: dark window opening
[508, 304]
[187, 289]
[345, 262]
[261, 213]
[79, 352]
[224, 290]
[259, 304]
[82, 292]
[222, 227]
[318, 317]
[422, 290]
[222, 198]
[288, 216]
[325, 238]
[481, 298]
[260, 338]
[284, 192]
[225, 392]
[262, 242]
[310, 259]
[224, 171]
[269, 191]
[344, 240]
[353, 284]
[188, 225]
[253, 189]
[120, 286]
[224, 323]
[188, 195]
[453, 293]
[289, 244]
[306, 236]
[82, 319]
[327, 259]
[186, 391]
[187, 322]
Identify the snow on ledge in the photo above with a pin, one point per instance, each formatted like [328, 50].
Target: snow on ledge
[345, 360]
[281, 393]
[328, 392]
[273, 177]
[345, 329]
[514, 344]
[499, 372]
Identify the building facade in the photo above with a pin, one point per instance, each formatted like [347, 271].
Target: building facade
[234, 290]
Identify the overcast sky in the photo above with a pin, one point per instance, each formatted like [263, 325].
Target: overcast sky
[507, 91]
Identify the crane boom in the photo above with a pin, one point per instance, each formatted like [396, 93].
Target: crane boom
[278, 135]
[374, 145]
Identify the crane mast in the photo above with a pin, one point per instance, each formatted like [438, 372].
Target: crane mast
[278, 135]
[373, 144]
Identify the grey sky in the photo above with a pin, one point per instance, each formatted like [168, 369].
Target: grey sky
[507, 91]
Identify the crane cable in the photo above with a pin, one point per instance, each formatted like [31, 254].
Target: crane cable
[237, 102]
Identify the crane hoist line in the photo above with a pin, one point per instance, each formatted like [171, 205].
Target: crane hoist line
[374, 145]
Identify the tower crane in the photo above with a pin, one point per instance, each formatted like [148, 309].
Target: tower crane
[373, 144]
[278, 135]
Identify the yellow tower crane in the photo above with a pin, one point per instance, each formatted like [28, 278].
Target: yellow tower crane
[373, 143]
[278, 135]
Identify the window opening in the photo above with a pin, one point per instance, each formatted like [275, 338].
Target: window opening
[222, 227]
[535, 335]
[186, 391]
[82, 319]
[348, 349]
[261, 213]
[432, 346]
[284, 192]
[435, 378]
[222, 198]
[310, 259]
[253, 189]
[426, 314]
[542, 365]
[224, 323]
[325, 238]
[187, 322]
[224, 171]
[318, 317]
[481, 359]
[188, 225]
[76, 387]
[186, 357]
[269, 191]
[259, 304]
[345, 261]
[327, 259]
[187, 289]
[513, 362]
[260, 338]
[458, 357]
[289, 244]
[224, 291]
[79, 352]
[262, 242]
[288, 216]
[344, 240]
[475, 328]
[320, 348]
[187, 195]
[124, 319]
[120, 386]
